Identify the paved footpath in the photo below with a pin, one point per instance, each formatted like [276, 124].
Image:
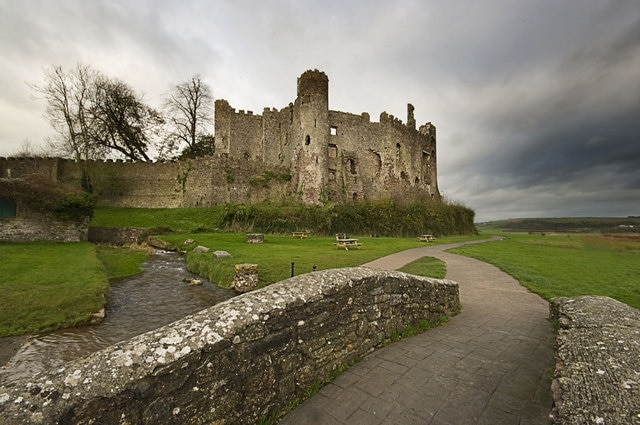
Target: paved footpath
[491, 364]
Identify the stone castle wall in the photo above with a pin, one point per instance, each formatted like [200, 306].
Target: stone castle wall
[328, 156]
[238, 361]
[207, 181]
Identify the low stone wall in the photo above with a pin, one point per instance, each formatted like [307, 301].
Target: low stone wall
[42, 227]
[118, 235]
[597, 377]
[238, 361]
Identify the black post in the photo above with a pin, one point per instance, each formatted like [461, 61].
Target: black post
[293, 267]
[314, 267]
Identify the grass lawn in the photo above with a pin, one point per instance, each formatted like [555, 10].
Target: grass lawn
[567, 265]
[177, 219]
[48, 285]
[275, 255]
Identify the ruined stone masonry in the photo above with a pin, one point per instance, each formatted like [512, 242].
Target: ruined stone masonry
[303, 151]
[332, 155]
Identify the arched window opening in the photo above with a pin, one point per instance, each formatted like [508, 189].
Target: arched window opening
[352, 165]
[355, 197]
[307, 140]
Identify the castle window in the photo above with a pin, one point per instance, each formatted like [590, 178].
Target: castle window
[307, 140]
[417, 180]
[333, 151]
[334, 131]
[397, 151]
[355, 197]
[7, 208]
[352, 165]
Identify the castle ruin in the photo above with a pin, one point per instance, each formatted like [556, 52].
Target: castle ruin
[303, 152]
[332, 155]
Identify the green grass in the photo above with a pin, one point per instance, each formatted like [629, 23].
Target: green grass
[48, 285]
[567, 265]
[121, 262]
[426, 266]
[275, 255]
[176, 219]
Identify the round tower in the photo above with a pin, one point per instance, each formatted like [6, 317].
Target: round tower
[312, 106]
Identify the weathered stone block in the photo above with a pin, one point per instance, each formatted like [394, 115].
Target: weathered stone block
[597, 377]
[255, 237]
[246, 278]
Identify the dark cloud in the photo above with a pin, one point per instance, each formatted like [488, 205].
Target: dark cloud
[536, 102]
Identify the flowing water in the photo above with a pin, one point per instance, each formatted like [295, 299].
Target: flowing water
[136, 305]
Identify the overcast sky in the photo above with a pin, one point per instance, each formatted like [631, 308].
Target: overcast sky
[536, 102]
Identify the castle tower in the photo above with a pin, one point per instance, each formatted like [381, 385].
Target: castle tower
[312, 134]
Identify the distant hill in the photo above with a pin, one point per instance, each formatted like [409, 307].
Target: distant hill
[565, 225]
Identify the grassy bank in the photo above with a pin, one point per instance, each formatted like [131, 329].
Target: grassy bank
[47, 285]
[121, 262]
[275, 255]
[382, 218]
[426, 266]
[568, 265]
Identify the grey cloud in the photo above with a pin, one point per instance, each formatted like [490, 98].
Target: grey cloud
[536, 102]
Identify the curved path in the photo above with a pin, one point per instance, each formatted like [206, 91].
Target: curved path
[491, 364]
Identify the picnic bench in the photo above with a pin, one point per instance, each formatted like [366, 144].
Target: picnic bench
[426, 238]
[344, 241]
[301, 235]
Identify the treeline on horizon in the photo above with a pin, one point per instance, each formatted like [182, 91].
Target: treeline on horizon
[630, 224]
[377, 218]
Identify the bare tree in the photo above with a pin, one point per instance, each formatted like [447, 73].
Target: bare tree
[189, 111]
[68, 96]
[95, 116]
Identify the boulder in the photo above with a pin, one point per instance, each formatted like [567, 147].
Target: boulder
[154, 242]
[221, 254]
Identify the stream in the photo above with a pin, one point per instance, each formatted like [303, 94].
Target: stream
[135, 305]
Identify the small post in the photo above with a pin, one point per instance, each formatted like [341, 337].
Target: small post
[293, 267]
[314, 267]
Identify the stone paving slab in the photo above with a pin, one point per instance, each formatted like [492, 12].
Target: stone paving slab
[491, 364]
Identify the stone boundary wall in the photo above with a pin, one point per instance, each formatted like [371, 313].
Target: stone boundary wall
[37, 227]
[597, 377]
[119, 235]
[237, 361]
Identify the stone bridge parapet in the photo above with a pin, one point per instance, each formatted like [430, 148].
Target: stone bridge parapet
[238, 361]
[597, 377]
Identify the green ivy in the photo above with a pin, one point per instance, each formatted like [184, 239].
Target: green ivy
[76, 206]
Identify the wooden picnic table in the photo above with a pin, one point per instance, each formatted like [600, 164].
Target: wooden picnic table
[300, 235]
[347, 243]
